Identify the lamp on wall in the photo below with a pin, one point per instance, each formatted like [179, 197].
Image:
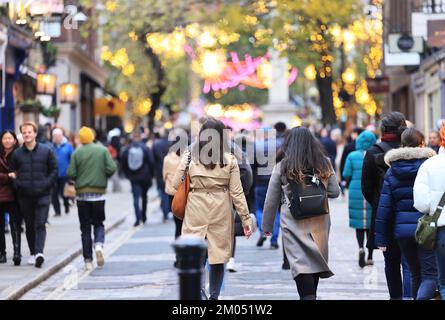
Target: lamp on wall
[46, 83]
[68, 93]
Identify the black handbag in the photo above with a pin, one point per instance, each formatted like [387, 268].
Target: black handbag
[309, 198]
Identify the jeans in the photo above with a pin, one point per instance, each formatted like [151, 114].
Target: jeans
[12, 209]
[440, 255]
[165, 203]
[35, 212]
[140, 189]
[260, 197]
[91, 213]
[422, 264]
[393, 259]
[58, 192]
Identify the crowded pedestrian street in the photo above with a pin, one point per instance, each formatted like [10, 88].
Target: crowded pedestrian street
[179, 152]
[139, 264]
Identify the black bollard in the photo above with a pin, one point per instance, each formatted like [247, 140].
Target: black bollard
[190, 255]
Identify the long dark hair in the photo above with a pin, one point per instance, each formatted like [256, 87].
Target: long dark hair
[304, 152]
[220, 143]
[16, 144]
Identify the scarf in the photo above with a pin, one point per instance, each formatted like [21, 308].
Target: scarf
[390, 137]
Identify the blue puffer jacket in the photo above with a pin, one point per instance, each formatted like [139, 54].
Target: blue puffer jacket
[359, 209]
[396, 216]
[63, 155]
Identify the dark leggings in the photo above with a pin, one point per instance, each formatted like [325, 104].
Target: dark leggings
[178, 222]
[307, 285]
[360, 234]
[234, 247]
[216, 278]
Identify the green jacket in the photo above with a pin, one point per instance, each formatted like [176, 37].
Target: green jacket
[90, 166]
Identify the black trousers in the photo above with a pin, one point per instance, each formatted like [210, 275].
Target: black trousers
[15, 221]
[35, 211]
[58, 192]
[91, 213]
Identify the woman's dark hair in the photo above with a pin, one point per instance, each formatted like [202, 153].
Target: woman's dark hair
[412, 138]
[303, 152]
[217, 140]
[12, 133]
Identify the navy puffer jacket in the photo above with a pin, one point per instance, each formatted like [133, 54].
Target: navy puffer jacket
[396, 216]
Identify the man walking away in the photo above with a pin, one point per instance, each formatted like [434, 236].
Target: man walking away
[137, 164]
[160, 151]
[91, 165]
[35, 169]
[63, 150]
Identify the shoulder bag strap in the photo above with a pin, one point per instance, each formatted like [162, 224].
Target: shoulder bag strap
[439, 208]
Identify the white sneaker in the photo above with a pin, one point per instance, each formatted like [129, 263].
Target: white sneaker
[99, 255]
[32, 260]
[231, 265]
[89, 266]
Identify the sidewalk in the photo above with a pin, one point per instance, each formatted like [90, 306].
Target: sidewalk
[63, 244]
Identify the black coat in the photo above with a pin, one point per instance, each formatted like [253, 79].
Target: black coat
[346, 151]
[36, 170]
[372, 183]
[160, 151]
[145, 173]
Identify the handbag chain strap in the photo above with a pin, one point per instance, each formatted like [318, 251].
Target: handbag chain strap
[189, 159]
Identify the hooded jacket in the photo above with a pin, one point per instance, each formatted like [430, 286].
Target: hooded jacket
[359, 209]
[396, 215]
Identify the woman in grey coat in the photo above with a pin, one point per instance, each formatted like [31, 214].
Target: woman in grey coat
[305, 241]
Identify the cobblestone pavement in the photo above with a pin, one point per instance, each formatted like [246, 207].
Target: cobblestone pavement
[139, 265]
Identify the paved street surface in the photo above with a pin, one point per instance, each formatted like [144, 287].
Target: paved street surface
[63, 240]
[139, 265]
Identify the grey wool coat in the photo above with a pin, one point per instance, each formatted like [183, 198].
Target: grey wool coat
[305, 241]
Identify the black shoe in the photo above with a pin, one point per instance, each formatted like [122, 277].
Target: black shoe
[3, 258]
[285, 266]
[17, 258]
[67, 210]
[261, 241]
[137, 223]
[39, 260]
[361, 258]
[57, 215]
[274, 246]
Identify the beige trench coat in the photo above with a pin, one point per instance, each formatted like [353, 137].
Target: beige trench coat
[171, 163]
[210, 201]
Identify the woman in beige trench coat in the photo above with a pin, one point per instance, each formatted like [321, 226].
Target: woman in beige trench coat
[305, 241]
[215, 186]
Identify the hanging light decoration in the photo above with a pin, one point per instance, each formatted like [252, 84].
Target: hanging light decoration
[46, 83]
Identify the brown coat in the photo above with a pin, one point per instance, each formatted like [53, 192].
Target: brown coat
[208, 213]
[171, 163]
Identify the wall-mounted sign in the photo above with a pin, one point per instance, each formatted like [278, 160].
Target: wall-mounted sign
[378, 85]
[436, 33]
[45, 7]
[401, 43]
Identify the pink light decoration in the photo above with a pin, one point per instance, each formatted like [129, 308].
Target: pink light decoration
[237, 72]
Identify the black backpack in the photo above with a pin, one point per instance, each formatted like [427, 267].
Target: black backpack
[308, 198]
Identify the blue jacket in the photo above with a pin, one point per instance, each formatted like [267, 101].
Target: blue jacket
[396, 216]
[63, 155]
[360, 211]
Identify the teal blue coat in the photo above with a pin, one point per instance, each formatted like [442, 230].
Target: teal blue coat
[359, 209]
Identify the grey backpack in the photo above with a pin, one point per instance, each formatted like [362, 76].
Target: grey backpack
[135, 157]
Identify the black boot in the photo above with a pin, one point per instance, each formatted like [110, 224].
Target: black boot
[16, 239]
[3, 257]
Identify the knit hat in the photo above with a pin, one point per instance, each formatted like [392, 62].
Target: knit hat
[442, 135]
[86, 135]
